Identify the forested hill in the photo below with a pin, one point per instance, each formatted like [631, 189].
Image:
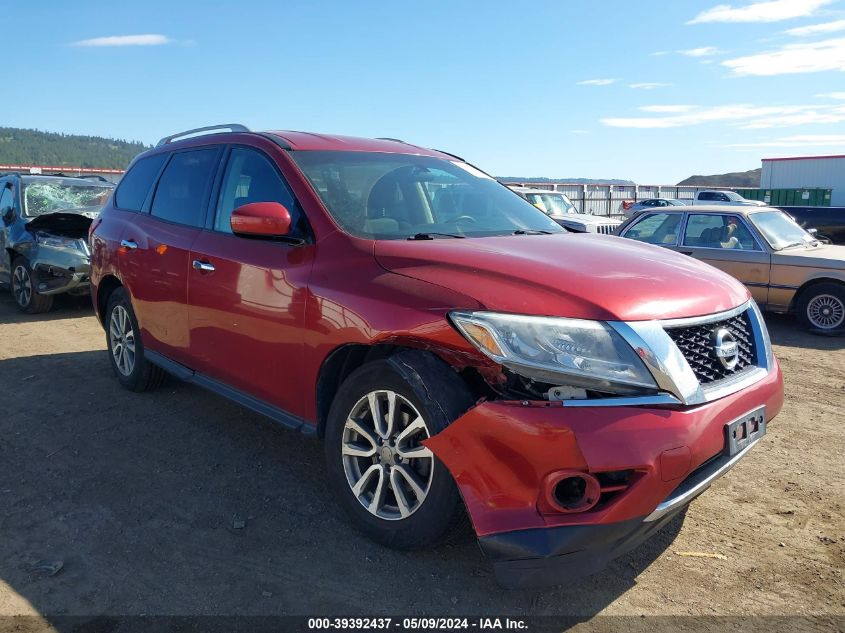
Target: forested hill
[32, 147]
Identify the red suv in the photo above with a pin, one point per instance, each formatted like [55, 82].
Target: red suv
[452, 345]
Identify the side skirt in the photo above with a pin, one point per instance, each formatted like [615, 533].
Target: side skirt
[276, 414]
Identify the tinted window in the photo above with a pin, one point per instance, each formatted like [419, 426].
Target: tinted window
[136, 183]
[711, 230]
[7, 198]
[251, 177]
[657, 228]
[181, 191]
[705, 195]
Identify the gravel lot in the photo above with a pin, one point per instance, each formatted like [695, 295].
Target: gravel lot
[178, 502]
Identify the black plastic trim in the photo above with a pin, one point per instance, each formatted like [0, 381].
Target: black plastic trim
[187, 374]
[542, 557]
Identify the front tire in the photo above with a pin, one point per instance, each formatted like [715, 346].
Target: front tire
[395, 489]
[126, 350]
[23, 289]
[821, 309]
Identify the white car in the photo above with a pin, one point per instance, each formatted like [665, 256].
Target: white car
[725, 197]
[560, 209]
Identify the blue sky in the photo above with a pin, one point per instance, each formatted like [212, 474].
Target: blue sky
[647, 90]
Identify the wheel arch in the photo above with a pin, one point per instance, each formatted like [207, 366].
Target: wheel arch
[343, 360]
[105, 288]
[809, 284]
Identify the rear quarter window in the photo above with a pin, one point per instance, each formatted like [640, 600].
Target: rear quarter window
[136, 183]
[181, 194]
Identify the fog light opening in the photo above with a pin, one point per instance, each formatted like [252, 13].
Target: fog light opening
[574, 491]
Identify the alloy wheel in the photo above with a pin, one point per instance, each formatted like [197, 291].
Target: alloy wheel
[388, 469]
[826, 312]
[122, 339]
[22, 286]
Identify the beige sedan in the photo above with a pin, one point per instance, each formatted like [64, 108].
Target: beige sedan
[786, 268]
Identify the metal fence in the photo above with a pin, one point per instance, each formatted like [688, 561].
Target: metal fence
[607, 199]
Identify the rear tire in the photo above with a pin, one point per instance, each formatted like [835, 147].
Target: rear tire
[126, 350]
[393, 488]
[821, 309]
[23, 288]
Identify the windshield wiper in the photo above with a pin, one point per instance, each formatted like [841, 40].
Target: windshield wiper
[802, 243]
[432, 236]
[531, 232]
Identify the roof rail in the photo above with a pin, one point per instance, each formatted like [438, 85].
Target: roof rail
[232, 127]
[450, 154]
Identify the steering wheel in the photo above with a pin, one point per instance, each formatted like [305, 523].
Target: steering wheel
[464, 218]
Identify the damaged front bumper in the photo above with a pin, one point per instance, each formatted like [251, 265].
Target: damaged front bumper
[61, 271]
[503, 455]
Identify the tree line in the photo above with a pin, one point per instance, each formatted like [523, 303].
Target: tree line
[34, 147]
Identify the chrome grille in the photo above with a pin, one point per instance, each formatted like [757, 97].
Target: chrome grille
[696, 343]
[606, 229]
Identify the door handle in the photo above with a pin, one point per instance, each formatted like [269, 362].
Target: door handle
[131, 245]
[203, 266]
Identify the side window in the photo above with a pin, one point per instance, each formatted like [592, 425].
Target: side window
[251, 177]
[181, 191]
[713, 230]
[705, 195]
[721, 197]
[7, 198]
[656, 228]
[136, 183]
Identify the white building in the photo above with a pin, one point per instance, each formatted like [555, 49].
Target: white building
[806, 172]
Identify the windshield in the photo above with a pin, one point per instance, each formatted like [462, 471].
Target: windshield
[397, 196]
[732, 195]
[49, 196]
[551, 203]
[780, 230]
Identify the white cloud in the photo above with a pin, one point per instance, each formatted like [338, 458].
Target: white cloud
[768, 11]
[832, 95]
[125, 40]
[596, 82]
[815, 29]
[792, 58]
[745, 116]
[578, 132]
[703, 51]
[804, 140]
[658, 53]
[648, 85]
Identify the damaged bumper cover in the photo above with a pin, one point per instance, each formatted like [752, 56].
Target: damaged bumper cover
[61, 271]
[502, 456]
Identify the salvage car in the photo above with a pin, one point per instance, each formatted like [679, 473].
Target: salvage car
[649, 203]
[560, 209]
[572, 392]
[44, 222]
[725, 197]
[787, 269]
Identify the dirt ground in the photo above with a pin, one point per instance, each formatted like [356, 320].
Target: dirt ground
[179, 502]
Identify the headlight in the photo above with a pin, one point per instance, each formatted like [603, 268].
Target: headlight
[587, 354]
[57, 242]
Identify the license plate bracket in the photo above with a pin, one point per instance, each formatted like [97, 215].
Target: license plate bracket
[745, 430]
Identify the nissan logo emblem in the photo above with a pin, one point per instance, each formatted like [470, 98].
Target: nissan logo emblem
[726, 348]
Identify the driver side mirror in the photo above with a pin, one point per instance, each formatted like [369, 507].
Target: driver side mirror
[261, 219]
[813, 232]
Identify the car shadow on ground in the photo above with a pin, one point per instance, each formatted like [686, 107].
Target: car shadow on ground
[178, 502]
[64, 307]
[784, 329]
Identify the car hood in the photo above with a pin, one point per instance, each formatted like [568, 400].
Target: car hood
[62, 222]
[822, 256]
[579, 276]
